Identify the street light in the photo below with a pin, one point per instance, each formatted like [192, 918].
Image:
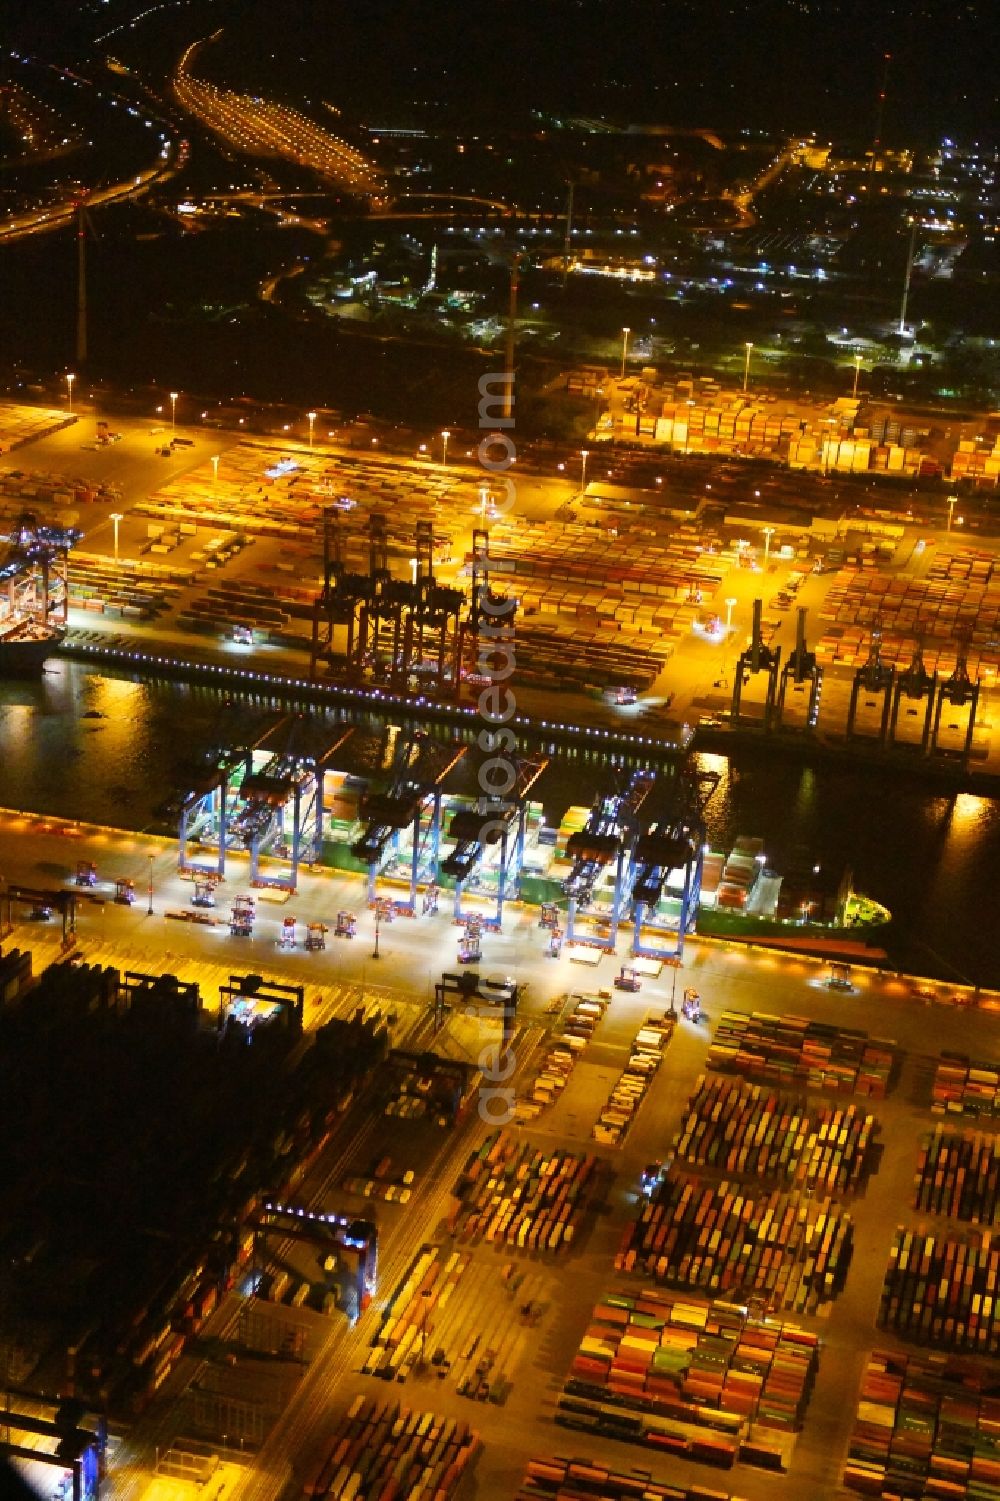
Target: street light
[116, 516]
[768, 534]
[730, 607]
[312, 424]
[584, 456]
[857, 372]
[382, 906]
[445, 435]
[746, 365]
[952, 503]
[173, 412]
[70, 378]
[215, 466]
[149, 909]
[625, 334]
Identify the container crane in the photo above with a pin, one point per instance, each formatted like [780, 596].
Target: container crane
[801, 668]
[675, 843]
[412, 800]
[958, 692]
[756, 659]
[608, 839]
[481, 827]
[431, 625]
[877, 679]
[916, 685]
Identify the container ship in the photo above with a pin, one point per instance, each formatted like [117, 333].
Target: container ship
[743, 897]
[34, 593]
[25, 646]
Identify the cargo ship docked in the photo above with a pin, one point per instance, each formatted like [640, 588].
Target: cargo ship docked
[25, 646]
[743, 897]
[34, 593]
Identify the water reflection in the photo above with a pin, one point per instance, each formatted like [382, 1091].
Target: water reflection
[933, 860]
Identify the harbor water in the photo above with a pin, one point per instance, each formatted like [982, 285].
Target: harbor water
[104, 747]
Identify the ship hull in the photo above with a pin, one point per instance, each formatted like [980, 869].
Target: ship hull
[25, 658]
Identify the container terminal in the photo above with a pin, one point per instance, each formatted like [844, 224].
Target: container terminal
[315, 1262]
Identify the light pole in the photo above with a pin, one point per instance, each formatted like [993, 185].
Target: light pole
[768, 534]
[584, 456]
[215, 466]
[952, 503]
[116, 516]
[445, 435]
[312, 423]
[149, 909]
[857, 372]
[381, 903]
[413, 570]
[625, 334]
[70, 378]
[746, 366]
[730, 607]
[173, 413]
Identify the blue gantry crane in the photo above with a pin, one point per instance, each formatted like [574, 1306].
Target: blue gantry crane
[676, 842]
[412, 800]
[272, 808]
[484, 826]
[608, 839]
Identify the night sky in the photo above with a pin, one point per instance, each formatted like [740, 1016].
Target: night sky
[773, 65]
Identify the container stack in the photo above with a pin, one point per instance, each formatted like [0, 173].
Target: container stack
[795, 1051]
[962, 1087]
[617, 1115]
[945, 606]
[756, 1133]
[791, 1249]
[424, 1291]
[571, 1479]
[926, 1426]
[512, 1192]
[23, 424]
[943, 1291]
[958, 1175]
[697, 1363]
[554, 1074]
[381, 1449]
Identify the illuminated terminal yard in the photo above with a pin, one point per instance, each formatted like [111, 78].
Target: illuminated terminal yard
[499, 654]
[351, 946]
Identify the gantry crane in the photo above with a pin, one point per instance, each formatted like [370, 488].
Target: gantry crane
[431, 633]
[757, 658]
[609, 838]
[674, 843]
[340, 597]
[801, 668]
[489, 823]
[959, 692]
[34, 567]
[489, 618]
[876, 678]
[916, 685]
[411, 800]
[272, 807]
